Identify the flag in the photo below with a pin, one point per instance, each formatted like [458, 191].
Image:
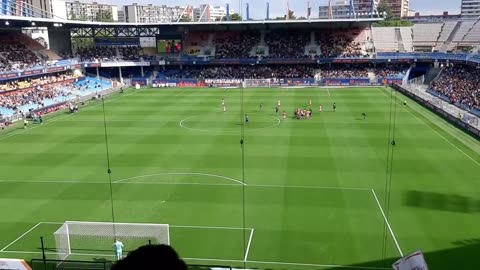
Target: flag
[309, 10]
[288, 9]
[330, 11]
[414, 261]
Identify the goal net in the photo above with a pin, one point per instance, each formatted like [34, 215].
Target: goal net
[97, 238]
[256, 83]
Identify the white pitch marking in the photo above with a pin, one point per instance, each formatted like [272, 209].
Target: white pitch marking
[320, 265]
[64, 116]
[248, 246]
[193, 184]
[447, 140]
[388, 223]
[310, 187]
[18, 238]
[200, 174]
[180, 93]
[213, 260]
[171, 226]
[328, 91]
[225, 131]
[423, 122]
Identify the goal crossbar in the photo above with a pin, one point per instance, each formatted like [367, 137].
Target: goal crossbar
[101, 235]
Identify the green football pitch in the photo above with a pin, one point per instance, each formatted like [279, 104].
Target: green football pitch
[323, 193]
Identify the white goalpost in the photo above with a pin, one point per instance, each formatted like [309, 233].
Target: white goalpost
[98, 237]
[247, 83]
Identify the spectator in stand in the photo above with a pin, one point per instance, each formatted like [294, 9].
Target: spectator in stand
[14, 57]
[344, 72]
[236, 45]
[391, 71]
[461, 84]
[287, 44]
[339, 44]
[110, 53]
[241, 72]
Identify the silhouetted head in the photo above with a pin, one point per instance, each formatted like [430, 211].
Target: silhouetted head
[155, 257]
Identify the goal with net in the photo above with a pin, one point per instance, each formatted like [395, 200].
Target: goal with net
[96, 238]
[247, 83]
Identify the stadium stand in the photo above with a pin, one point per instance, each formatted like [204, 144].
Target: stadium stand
[426, 35]
[350, 43]
[287, 44]
[473, 35]
[239, 72]
[236, 45]
[460, 85]
[463, 28]
[22, 96]
[384, 39]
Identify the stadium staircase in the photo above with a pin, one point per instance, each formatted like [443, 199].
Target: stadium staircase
[446, 46]
[50, 54]
[371, 76]
[463, 29]
[432, 74]
[398, 37]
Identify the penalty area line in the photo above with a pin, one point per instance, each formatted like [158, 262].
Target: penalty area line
[21, 236]
[387, 223]
[249, 244]
[214, 260]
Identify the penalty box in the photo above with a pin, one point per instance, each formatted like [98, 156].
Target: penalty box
[198, 242]
[293, 224]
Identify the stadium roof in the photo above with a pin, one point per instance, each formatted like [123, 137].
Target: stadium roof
[16, 21]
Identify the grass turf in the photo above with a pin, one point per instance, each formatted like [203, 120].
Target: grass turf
[311, 185]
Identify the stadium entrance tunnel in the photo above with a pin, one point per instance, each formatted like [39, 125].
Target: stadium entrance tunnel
[229, 122]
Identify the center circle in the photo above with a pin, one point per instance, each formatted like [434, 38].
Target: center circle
[229, 122]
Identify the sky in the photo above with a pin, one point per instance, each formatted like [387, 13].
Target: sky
[279, 7]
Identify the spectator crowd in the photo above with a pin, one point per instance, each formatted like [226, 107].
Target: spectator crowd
[35, 81]
[35, 95]
[14, 57]
[241, 72]
[235, 45]
[287, 44]
[461, 84]
[108, 54]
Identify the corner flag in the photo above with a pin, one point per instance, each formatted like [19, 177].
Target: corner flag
[414, 261]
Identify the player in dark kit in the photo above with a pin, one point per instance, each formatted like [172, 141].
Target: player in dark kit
[364, 116]
[261, 106]
[334, 107]
[277, 109]
[247, 120]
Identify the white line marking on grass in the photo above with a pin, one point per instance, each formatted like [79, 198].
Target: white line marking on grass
[181, 173]
[248, 245]
[180, 93]
[318, 265]
[443, 137]
[171, 226]
[226, 131]
[328, 91]
[20, 237]
[309, 187]
[289, 263]
[388, 223]
[64, 116]
[53, 181]
[210, 227]
[184, 184]
[200, 174]
[213, 260]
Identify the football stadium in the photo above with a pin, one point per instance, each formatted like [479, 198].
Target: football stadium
[345, 142]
